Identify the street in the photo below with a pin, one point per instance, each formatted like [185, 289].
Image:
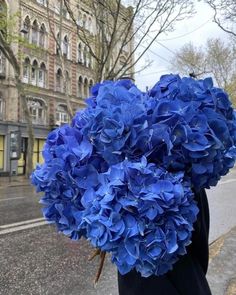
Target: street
[35, 259]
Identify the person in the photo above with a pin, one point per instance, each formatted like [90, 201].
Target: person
[189, 273]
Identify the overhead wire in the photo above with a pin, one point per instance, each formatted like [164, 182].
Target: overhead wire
[188, 33]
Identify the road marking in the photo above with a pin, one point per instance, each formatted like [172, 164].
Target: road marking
[227, 181]
[21, 223]
[8, 199]
[22, 227]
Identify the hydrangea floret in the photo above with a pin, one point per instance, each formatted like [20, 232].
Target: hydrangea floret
[122, 174]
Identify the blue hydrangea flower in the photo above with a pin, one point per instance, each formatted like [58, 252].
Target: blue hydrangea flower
[121, 175]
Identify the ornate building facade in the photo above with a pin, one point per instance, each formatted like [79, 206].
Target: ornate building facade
[45, 78]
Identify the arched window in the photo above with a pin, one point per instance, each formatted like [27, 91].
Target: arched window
[37, 109]
[85, 21]
[1, 106]
[34, 73]
[26, 70]
[80, 87]
[57, 46]
[42, 75]
[80, 19]
[59, 80]
[65, 48]
[35, 30]
[80, 53]
[26, 28]
[89, 59]
[67, 82]
[90, 24]
[90, 84]
[2, 64]
[61, 114]
[42, 36]
[86, 87]
[65, 12]
[85, 55]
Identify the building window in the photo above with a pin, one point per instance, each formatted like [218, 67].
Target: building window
[90, 84]
[80, 87]
[42, 2]
[86, 87]
[26, 28]
[60, 8]
[80, 19]
[38, 148]
[42, 75]
[67, 82]
[80, 54]
[34, 73]
[90, 25]
[85, 21]
[61, 114]
[1, 152]
[85, 55]
[58, 44]
[35, 30]
[26, 70]
[37, 109]
[2, 64]
[65, 12]
[89, 59]
[59, 80]
[42, 36]
[1, 108]
[65, 47]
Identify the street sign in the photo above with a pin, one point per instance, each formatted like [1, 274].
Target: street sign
[15, 145]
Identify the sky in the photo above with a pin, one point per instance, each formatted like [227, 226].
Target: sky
[197, 30]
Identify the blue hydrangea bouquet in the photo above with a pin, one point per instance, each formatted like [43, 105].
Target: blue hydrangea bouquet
[122, 174]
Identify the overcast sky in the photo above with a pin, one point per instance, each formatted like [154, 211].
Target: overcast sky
[196, 30]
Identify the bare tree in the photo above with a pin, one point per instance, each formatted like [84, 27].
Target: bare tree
[217, 59]
[60, 49]
[121, 31]
[7, 41]
[190, 59]
[224, 14]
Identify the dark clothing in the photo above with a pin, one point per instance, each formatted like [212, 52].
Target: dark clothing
[188, 274]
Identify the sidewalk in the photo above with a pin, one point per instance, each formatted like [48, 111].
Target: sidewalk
[222, 268]
[14, 181]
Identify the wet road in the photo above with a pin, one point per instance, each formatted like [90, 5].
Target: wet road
[34, 259]
[39, 261]
[18, 204]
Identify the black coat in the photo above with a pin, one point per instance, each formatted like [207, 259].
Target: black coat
[188, 274]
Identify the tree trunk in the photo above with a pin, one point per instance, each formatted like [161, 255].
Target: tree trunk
[30, 130]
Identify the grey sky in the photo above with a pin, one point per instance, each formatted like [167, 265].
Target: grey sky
[196, 29]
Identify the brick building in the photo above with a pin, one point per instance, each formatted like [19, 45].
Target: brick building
[45, 78]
